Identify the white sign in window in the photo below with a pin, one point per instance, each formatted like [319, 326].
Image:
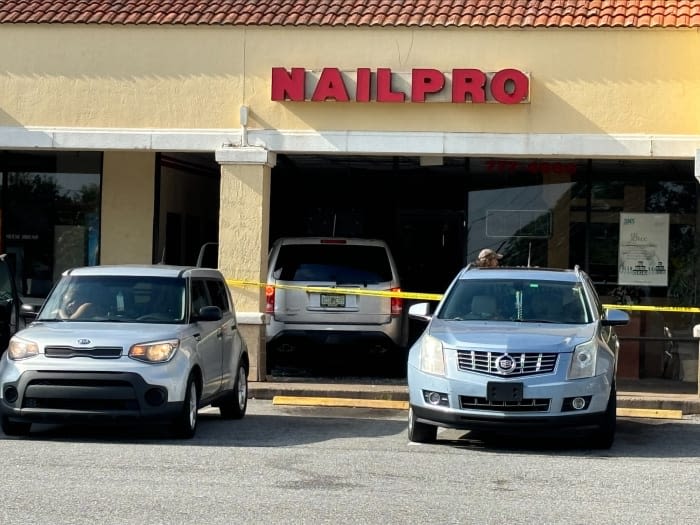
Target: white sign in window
[643, 252]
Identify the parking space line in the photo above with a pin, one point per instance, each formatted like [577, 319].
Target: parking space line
[650, 413]
[340, 402]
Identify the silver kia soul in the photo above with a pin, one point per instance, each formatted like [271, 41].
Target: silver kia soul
[515, 348]
[120, 343]
[357, 268]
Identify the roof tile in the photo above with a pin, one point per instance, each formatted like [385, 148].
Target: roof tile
[422, 13]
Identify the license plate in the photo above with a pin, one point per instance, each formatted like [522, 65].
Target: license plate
[333, 300]
[504, 391]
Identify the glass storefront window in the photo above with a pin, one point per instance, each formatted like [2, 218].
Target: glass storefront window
[562, 213]
[50, 215]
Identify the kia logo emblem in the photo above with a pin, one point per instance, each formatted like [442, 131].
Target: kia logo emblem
[84, 341]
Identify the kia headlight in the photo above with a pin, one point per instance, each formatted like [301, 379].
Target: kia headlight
[21, 349]
[432, 360]
[583, 362]
[155, 352]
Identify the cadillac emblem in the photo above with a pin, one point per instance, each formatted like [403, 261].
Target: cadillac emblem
[505, 364]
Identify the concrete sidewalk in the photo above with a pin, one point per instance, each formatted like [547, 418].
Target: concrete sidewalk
[636, 395]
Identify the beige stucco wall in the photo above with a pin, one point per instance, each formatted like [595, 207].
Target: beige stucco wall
[128, 186]
[243, 245]
[583, 81]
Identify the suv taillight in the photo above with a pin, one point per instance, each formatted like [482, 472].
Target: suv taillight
[269, 299]
[396, 303]
[333, 241]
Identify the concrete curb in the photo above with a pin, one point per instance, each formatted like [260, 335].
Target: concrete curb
[644, 404]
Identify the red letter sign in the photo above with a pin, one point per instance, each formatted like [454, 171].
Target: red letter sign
[363, 90]
[425, 81]
[519, 87]
[330, 85]
[384, 92]
[286, 86]
[468, 81]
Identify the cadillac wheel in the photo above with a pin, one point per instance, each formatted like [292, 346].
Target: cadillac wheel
[420, 432]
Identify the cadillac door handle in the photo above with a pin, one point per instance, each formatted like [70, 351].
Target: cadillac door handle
[197, 337]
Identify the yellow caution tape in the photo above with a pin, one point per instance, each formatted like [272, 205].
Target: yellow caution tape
[647, 308]
[436, 296]
[345, 291]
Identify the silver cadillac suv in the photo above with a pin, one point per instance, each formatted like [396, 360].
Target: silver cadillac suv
[516, 348]
[122, 343]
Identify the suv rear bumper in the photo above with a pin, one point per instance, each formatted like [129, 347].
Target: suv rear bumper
[364, 337]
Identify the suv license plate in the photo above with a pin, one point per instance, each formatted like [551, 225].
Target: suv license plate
[333, 300]
[504, 391]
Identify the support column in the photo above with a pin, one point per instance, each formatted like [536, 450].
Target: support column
[244, 219]
[128, 196]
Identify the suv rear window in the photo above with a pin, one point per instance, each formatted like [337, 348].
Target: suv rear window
[336, 263]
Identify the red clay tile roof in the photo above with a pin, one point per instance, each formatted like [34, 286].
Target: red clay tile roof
[378, 13]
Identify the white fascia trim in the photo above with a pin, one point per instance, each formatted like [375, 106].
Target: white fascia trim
[478, 144]
[117, 139]
[226, 141]
[246, 155]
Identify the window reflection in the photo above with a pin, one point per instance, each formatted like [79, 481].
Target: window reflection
[51, 215]
[582, 201]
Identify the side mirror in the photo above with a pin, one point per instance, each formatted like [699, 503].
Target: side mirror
[615, 317]
[27, 312]
[209, 313]
[420, 311]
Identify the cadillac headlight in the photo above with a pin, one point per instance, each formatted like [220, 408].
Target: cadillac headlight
[583, 362]
[21, 349]
[156, 352]
[432, 360]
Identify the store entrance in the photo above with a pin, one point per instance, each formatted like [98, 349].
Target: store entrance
[557, 213]
[417, 210]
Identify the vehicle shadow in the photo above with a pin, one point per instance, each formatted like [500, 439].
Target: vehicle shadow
[299, 426]
[254, 430]
[634, 438]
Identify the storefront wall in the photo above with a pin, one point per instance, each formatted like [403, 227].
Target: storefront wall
[182, 78]
[594, 94]
[128, 185]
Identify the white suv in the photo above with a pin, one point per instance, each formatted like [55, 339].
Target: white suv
[301, 316]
